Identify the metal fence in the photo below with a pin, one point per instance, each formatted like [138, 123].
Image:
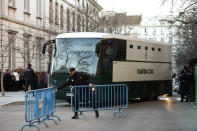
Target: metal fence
[99, 97]
[39, 107]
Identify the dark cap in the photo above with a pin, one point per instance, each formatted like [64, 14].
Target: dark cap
[71, 69]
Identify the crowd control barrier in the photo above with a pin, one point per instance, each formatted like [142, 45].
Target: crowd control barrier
[39, 107]
[99, 97]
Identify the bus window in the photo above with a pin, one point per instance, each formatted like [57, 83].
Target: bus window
[119, 49]
[111, 50]
[76, 52]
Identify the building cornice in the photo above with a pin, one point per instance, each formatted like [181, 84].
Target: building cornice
[143, 26]
[80, 10]
[28, 25]
[76, 8]
[12, 31]
[71, 5]
[96, 4]
[27, 34]
[39, 38]
[12, 7]
[91, 1]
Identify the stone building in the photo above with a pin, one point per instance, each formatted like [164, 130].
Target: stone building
[26, 24]
[119, 22]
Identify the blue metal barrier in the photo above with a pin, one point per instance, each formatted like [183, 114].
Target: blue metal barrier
[39, 107]
[99, 97]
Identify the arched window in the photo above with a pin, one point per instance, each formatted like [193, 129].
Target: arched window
[50, 11]
[79, 23]
[12, 3]
[56, 13]
[11, 49]
[68, 20]
[39, 40]
[39, 8]
[73, 21]
[87, 20]
[26, 6]
[62, 16]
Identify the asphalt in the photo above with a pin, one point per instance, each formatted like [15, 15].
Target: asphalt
[166, 114]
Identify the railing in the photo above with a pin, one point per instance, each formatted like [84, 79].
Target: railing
[39, 107]
[99, 97]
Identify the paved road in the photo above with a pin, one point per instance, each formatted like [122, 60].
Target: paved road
[167, 114]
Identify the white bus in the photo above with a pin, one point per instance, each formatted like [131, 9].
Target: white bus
[144, 65]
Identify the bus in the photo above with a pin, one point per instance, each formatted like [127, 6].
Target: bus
[144, 65]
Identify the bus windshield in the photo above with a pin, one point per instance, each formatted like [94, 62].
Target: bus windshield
[78, 53]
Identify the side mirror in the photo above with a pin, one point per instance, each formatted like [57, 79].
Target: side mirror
[45, 44]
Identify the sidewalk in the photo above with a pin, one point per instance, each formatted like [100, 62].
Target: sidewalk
[19, 96]
[11, 97]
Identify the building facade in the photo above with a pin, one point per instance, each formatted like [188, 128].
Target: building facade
[119, 22]
[26, 24]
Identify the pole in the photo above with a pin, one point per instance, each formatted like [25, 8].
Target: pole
[195, 77]
[2, 55]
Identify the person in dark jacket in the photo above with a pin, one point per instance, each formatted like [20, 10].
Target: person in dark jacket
[0, 79]
[29, 77]
[182, 85]
[188, 83]
[77, 78]
[7, 78]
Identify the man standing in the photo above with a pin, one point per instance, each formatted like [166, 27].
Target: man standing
[7, 80]
[182, 85]
[188, 83]
[75, 79]
[28, 77]
[0, 79]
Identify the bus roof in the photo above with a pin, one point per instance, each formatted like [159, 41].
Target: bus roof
[82, 35]
[106, 35]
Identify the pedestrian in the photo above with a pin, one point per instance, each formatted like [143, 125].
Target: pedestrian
[188, 83]
[192, 90]
[75, 79]
[21, 78]
[43, 79]
[29, 77]
[181, 90]
[0, 79]
[7, 80]
[16, 76]
[12, 81]
[38, 80]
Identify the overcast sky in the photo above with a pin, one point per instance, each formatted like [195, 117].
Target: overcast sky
[135, 7]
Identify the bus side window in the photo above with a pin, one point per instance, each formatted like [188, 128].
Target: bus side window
[120, 49]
